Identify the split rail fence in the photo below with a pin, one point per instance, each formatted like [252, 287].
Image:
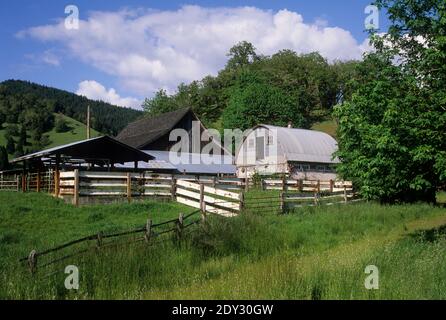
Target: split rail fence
[150, 234]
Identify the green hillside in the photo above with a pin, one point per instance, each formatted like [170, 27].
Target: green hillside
[77, 131]
[327, 126]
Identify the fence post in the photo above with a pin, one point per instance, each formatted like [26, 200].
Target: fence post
[319, 186]
[201, 196]
[56, 182]
[331, 185]
[246, 184]
[345, 193]
[129, 187]
[262, 181]
[76, 188]
[32, 261]
[23, 182]
[99, 240]
[242, 201]
[284, 186]
[180, 225]
[38, 181]
[18, 182]
[282, 202]
[174, 188]
[214, 182]
[301, 185]
[316, 198]
[148, 233]
[203, 212]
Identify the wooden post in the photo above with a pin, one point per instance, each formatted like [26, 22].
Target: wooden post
[148, 233]
[345, 193]
[174, 188]
[284, 183]
[331, 185]
[316, 199]
[262, 181]
[18, 182]
[282, 202]
[99, 240]
[202, 196]
[56, 182]
[88, 122]
[32, 261]
[246, 184]
[129, 187]
[38, 181]
[24, 182]
[214, 182]
[76, 188]
[301, 185]
[180, 225]
[319, 186]
[203, 212]
[242, 201]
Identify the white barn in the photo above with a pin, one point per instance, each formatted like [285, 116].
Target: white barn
[302, 154]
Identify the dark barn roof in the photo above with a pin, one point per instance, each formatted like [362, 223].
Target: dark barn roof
[93, 150]
[149, 129]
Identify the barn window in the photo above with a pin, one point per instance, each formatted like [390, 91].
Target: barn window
[270, 140]
[260, 148]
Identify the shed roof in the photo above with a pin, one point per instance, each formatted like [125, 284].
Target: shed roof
[198, 163]
[305, 145]
[100, 148]
[148, 129]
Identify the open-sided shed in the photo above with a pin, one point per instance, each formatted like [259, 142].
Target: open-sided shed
[102, 151]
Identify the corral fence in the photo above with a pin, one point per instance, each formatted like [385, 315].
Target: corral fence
[213, 194]
[152, 234]
[301, 193]
[209, 199]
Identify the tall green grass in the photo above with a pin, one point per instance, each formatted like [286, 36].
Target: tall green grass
[312, 253]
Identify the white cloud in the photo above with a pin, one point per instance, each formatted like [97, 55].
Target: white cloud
[47, 57]
[148, 49]
[96, 91]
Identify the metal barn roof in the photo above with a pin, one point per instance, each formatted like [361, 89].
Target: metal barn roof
[100, 148]
[197, 163]
[305, 145]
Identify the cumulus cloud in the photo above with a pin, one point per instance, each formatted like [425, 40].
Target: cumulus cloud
[149, 49]
[96, 91]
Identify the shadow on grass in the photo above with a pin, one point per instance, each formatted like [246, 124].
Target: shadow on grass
[430, 235]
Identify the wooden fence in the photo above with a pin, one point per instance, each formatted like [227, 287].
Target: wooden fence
[285, 185]
[148, 234]
[209, 199]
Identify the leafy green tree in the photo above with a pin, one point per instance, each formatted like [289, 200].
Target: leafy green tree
[10, 145]
[253, 101]
[61, 125]
[241, 55]
[4, 163]
[160, 103]
[392, 132]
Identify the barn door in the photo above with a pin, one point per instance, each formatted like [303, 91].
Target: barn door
[260, 148]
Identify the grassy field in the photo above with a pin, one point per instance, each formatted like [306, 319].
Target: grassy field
[312, 253]
[77, 132]
[328, 126]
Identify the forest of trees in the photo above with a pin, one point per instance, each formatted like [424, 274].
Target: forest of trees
[27, 114]
[254, 89]
[16, 96]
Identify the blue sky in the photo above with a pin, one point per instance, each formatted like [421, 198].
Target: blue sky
[124, 51]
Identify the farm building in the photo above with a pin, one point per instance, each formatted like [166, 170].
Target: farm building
[301, 154]
[151, 135]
